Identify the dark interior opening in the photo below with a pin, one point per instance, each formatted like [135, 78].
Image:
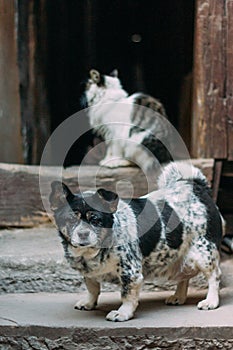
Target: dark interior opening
[149, 42]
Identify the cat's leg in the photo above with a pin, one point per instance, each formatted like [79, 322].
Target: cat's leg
[140, 156]
[115, 155]
[146, 151]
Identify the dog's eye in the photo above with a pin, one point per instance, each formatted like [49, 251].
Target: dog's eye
[76, 215]
[94, 219]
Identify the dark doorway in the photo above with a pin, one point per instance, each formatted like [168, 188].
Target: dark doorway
[150, 42]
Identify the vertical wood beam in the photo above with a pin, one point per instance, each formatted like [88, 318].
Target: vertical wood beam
[209, 131]
[11, 149]
[32, 56]
[24, 114]
[229, 76]
[217, 172]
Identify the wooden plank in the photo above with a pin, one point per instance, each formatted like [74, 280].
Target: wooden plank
[229, 226]
[216, 178]
[206, 166]
[225, 199]
[209, 113]
[229, 77]
[10, 121]
[32, 55]
[24, 115]
[20, 198]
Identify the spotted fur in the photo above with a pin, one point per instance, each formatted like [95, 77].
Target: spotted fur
[173, 233]
[134, 127]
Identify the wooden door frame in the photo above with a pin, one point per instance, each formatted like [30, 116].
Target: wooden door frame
[24, 114]
[212, 114]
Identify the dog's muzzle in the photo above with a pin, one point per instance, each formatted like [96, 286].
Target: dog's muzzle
[80, 238]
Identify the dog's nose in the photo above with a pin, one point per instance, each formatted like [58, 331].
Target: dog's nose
[84, 234]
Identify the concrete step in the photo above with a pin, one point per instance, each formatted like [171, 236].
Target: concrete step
[32, 262]
[49, 321]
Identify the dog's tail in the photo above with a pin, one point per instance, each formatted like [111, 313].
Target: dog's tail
[181, 171]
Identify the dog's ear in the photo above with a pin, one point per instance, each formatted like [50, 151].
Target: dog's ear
[60, 195]
[95, 76]
[114, 73]
[109, 199]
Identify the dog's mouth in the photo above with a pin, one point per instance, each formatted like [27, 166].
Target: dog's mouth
[84, 244]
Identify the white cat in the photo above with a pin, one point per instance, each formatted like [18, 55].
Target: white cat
[134, 127]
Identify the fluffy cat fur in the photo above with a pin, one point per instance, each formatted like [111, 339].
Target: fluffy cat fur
[135, 127]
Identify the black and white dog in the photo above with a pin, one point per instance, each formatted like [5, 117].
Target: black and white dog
[174, 232]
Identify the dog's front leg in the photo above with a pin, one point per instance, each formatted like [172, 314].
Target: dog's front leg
[90, 301]
[129, 296]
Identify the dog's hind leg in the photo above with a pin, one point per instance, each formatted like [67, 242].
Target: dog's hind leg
[90, 301]
[180, 295]
[212, 298]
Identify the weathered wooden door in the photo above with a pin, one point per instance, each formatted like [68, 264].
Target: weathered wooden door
[24, 52]
[24, 115]
[10, 127]
[212, 120]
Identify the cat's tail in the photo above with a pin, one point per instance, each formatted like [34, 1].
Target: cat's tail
[180, 171]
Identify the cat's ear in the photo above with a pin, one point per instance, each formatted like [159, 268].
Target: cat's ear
[114, 73]
[95, 76]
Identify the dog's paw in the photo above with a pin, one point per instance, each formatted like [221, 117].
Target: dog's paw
[117, 316]
[84, 304]
[208, 304]
[175, 300]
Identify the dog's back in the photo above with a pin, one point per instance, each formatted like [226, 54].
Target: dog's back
[190, 226]
[188, 193]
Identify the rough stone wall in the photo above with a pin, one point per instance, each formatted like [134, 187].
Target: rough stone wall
[61, 278]
[85, 341]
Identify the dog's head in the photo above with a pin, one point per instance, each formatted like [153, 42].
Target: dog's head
[84, 220]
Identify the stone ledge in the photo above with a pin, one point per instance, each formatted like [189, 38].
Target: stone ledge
[32, 260]
[145, 342]
[45, 321]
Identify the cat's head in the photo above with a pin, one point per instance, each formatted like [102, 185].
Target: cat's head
[98, 83]
[110, 81]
